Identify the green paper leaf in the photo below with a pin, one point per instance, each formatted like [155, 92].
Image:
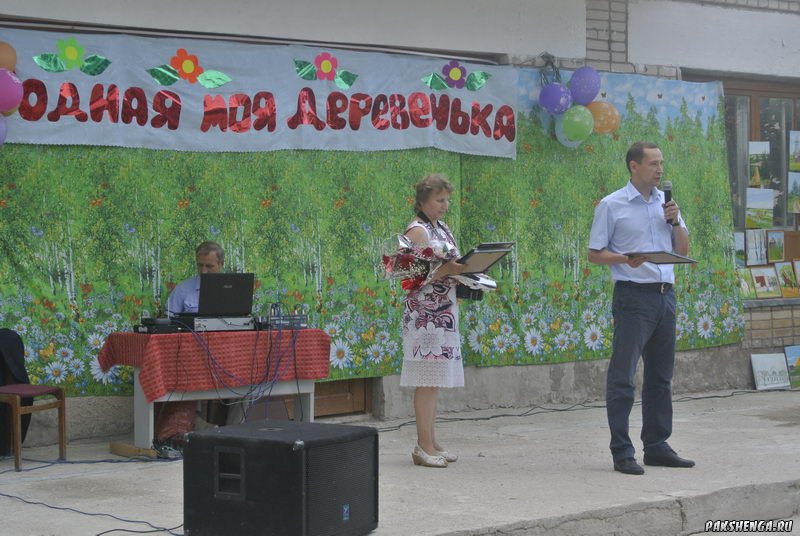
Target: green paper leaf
[50, 63]
[94, 65]
[435, 81]
[305, 70]
[344, 79]
[212, 79]
[164, 75]
[476, 80]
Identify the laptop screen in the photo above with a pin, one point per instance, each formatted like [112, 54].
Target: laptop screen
[224, 294]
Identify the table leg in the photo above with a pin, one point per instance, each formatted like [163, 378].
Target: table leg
[306, 401]
[143, 427]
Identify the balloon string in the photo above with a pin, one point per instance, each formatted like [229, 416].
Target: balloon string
[549, 72]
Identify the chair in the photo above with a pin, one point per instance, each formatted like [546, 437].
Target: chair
[17, 393]
[13, 395]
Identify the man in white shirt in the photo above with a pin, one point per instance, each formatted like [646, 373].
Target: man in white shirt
[636, 218]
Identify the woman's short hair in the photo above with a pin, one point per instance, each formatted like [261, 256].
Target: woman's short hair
[211, 247]
[429, 185]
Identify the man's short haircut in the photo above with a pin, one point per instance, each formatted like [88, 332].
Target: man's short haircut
[636, 152]
[211, 247]
[428, 185]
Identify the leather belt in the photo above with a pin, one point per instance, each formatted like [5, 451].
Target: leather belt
[661, 288]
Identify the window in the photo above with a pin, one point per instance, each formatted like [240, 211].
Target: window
[758, 111]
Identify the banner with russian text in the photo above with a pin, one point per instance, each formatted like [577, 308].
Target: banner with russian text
[200, 95]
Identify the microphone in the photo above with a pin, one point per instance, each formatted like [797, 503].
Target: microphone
[667, 188]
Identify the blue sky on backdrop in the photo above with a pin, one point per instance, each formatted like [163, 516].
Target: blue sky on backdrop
[647, 91]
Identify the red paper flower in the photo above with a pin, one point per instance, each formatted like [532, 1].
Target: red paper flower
[187, 65]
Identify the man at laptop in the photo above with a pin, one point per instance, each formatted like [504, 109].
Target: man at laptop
[185, 297]
[175, 418]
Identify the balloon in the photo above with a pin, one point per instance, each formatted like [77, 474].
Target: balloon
[555, 98]
[606, 117]
[561, 137]
[584, 85]
[3, 129]
[8, 56]
[578, 123]
[9, 113]
[10, 90]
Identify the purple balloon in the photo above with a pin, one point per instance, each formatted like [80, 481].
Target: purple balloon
[555, 98]
[584, 85]
[3, 129]
[10, 90]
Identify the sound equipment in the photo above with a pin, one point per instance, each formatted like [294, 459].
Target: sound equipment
[281, 478]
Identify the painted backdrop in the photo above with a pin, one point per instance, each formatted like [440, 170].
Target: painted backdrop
[92, 237]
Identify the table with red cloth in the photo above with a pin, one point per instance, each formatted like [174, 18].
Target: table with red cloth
[219, 364]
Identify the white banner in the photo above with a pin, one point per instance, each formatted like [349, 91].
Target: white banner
[201, 95]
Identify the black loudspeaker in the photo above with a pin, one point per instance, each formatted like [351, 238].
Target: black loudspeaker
[281, 478]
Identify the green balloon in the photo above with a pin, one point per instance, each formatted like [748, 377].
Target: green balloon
[578, 123]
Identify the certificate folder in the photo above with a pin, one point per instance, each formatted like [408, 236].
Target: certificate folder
[483, 257]
[662, 257]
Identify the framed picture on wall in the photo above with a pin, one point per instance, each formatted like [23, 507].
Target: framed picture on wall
[765, 279]
[793, 363]
[756, 247]
[759, 163]
[758, 209]
[774, 246]
[746, 284]
[794, 152]
[770, 371]
[793, 192]
[787, 280]
[740, 255]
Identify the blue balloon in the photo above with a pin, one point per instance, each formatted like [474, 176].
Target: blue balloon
[584, 85]
[555, 98]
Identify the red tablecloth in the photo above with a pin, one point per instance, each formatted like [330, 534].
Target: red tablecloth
[203, 361]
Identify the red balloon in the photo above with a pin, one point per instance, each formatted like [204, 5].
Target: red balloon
[10, 90]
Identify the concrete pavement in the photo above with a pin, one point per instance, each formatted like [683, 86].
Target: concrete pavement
[522, 471]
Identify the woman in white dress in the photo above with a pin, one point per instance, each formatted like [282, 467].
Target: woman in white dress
[431, 341]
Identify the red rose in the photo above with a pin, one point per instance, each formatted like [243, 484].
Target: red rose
[412, 284]
[406, 261]
[427, 252]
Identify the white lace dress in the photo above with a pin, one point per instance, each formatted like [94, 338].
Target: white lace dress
[431, 341]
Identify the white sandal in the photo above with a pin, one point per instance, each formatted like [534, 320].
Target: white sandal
[421, 457]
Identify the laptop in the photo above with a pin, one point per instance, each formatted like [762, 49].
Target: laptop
[226, 294]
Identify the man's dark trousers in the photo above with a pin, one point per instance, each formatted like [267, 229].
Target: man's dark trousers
[644, 324]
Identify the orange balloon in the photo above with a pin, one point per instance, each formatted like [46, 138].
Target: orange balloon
[11, 112]
[8, 56]
[606, 117]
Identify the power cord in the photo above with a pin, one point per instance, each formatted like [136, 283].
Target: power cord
[98, 514]
[580, 406]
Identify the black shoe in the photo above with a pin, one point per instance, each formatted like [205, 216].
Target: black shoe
[628, 466]
[667, 459]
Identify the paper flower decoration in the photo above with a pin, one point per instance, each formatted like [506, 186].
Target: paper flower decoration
[454, 75]
[187, 66]
[325, 67]
[71, 55]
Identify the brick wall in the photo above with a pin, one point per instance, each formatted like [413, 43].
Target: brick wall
[771, 324]
[607, 33]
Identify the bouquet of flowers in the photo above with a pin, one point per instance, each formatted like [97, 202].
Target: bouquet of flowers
[412, 263]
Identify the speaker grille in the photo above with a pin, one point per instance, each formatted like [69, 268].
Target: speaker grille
[342, 492]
